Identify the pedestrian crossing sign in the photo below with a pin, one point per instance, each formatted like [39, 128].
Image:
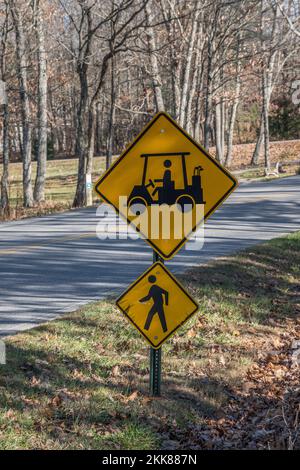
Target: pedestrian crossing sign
[157, 304]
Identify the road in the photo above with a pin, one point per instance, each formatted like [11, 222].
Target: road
[55, 264]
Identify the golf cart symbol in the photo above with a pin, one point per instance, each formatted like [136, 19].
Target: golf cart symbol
[163, 191]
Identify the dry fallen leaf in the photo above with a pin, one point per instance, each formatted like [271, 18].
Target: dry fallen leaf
[10, 414]
[236, 333]
[191, 333]
[115, 371]
[133, 396]
[56, 401]
[222, 360]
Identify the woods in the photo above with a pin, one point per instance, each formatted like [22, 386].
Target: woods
[82, 77]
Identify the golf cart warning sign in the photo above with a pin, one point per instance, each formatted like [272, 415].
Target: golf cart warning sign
[165, 185]
[157, 304]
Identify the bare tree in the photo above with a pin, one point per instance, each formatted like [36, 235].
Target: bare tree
[155, 75]
[112, 113]
[39, 189]
[294, 21]
[125, 15]
[93, 73]
[4, 104]
[21, 60]
[274, 38]
[235, 104]
[187, 76]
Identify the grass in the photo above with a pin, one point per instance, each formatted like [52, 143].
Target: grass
[259, 174]
[81, 382]
[60, 185]
[60, 181]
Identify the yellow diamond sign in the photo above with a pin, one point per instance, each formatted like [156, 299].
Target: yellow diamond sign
[165, 184]
[157, 304]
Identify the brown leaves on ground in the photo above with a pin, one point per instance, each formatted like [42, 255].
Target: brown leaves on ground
[264, 411]
[48, 207]
[285, 150]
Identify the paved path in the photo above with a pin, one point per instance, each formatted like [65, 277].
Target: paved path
[54, 264]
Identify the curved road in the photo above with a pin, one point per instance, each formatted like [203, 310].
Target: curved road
[54, 264]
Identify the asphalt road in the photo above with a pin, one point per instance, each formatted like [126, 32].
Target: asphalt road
[54, 264]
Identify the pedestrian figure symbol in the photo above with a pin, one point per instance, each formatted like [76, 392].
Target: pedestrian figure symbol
[160, 298]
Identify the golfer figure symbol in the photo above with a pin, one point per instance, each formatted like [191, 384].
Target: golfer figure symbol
[160, 297]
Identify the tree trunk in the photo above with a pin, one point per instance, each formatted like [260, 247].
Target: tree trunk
[266, 94]
[25, 105]
[110, 138]
[223, 127]
[155, 76]
[218, 131]
[5, 133]
[91, 138]
[198, 70]
[208, 100]
[197, 131]
[5, 175]
[39, 189]
[81, 144]
[267, 80]
[90, 155]
[259, 142]
[99, 115]
[176, 73]
[173, 56]
[267, 86]
[186, 88]
[232, 119]
[233, 113]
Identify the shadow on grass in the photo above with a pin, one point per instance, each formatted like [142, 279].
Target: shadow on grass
[61, 394]
[261, 284]
[86, 376]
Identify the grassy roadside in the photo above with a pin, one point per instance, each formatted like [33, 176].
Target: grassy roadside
[60, 186]
[61, 183]
[82, 381]
[259, 174]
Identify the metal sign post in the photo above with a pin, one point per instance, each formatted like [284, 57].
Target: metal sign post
[155, 356]
[155, 372]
